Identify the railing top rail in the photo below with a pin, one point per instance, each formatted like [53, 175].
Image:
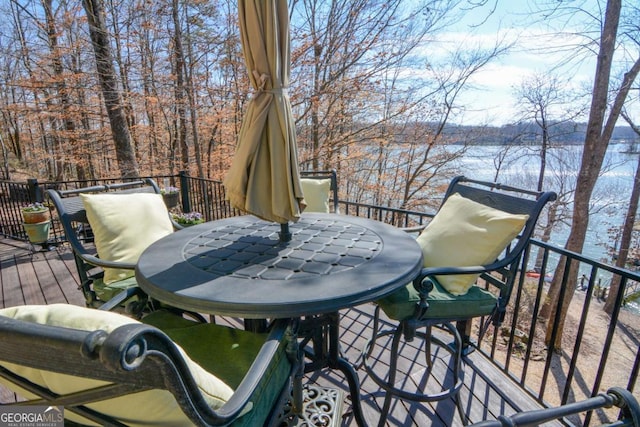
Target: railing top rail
[388, 209]
[585, 259]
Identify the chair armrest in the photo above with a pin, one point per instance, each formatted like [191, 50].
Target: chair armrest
[424, 285]
[415, 229]
[261, 365]
[427, 272]
[615, 396]
[137, 341]
[99, 262]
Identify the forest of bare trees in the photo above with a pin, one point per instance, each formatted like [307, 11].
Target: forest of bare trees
[101, 89]
[108, 88]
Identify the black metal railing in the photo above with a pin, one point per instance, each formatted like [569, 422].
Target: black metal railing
[599, 350]
[15, 195]
[205, 196]
[397, 217]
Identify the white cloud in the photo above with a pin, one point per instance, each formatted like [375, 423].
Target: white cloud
[490, 97]
[537, 49]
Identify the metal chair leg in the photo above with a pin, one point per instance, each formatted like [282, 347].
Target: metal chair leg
[388, 384]
[372, 342]
[458, 374]
[376, 324]
[393, 366]
[427, 348]
[461, 413]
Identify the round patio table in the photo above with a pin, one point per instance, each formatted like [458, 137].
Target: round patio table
[239, 267]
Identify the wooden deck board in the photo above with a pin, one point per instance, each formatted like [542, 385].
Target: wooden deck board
[50, 277]
[29, 281]
[65, 289]
[11, 287]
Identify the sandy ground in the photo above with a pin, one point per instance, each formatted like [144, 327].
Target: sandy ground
[616, 371]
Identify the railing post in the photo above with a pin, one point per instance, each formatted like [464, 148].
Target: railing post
[35, 191]
[184, 194]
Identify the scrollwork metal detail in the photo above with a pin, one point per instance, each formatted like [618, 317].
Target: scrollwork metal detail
[322, 407]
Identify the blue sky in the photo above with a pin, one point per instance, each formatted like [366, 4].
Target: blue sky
[534, 52]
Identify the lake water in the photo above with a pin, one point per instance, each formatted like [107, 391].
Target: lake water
[610, 197]
[521, 168]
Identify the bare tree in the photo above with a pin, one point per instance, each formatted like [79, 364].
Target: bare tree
[109, 82]
[345, 51]
[627, 228]
[602, 119]
[544, 101]
[180, 95]
[374, 106]
[18, 108]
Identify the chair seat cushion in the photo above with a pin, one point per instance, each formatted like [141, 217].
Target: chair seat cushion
[124, 225]
[316, 194]
[231, 357]
[105, 292]
[401, 304]
[466, 233]
[233, 349]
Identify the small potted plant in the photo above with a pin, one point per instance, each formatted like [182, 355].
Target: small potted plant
[188, 219]
[36, 222]
[170, 196]
[35, 213]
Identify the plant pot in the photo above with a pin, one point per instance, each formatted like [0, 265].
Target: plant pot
[171, 200]
[35, 217]
[39, 232]
[189, 224]
[188, 219]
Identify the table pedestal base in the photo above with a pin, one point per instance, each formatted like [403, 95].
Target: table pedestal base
[321, 345]
[322, 406]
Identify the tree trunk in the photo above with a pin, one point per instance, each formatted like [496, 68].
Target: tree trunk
[595, 147]
[627, 231]
[589, 174]
[109, 83]
[193, 108]
[181, 131]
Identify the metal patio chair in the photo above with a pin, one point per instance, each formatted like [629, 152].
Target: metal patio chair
[472, 250]
[106, 368]
[81, 235]
[320, 190]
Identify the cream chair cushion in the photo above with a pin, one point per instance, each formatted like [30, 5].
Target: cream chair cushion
[466, 233]
[316, 194]
[157, 406]
[124, 225]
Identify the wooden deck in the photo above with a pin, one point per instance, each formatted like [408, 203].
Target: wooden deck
[50, 277]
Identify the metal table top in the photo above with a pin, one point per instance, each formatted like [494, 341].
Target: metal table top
[238, 266]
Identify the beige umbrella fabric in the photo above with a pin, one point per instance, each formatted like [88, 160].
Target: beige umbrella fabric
[264, 179]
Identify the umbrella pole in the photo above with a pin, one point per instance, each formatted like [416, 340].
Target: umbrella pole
[285, 234]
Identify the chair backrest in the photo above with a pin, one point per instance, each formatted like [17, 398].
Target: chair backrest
[508, 199]
[132, 358]
[73, 218]
[505, 198]
[72, 213]
[329, 191]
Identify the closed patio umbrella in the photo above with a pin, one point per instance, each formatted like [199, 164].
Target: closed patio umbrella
[264, 179]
